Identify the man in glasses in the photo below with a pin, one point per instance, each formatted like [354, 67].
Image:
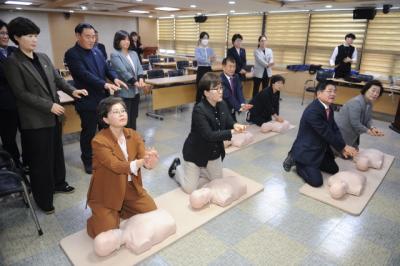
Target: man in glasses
[311, 151]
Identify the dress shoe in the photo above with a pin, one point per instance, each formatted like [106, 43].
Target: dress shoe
[88, 169]
[48, 211]
[172, 168]
[288, 162]
[66, 189]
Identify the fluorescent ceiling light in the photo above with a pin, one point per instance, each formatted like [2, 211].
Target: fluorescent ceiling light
[139, 11]
[18, 3]
[83, 7]
[193, 6]
[232, 11]
[328, 6]
[198, 14]
[18, 8]
[150, 16]
[242, 13]
[169, 17]
[186, 16]
[139, 0]
[231, 2]
[71, 11]
[167, 8]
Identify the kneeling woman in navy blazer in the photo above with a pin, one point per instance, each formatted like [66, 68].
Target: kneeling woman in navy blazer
[204, 150]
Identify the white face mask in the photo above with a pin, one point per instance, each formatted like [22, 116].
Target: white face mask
[204, 42]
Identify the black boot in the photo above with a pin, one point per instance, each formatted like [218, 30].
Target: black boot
[288, 162]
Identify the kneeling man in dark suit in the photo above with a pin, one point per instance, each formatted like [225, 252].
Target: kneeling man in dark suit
[318, 132]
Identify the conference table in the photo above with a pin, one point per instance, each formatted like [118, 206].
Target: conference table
[176, 91]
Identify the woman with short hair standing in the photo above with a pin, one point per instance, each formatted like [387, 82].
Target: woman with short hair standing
[34, 82]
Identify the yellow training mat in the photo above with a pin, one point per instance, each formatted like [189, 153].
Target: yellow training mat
[79, 246]
[349, 203]
[257, 135]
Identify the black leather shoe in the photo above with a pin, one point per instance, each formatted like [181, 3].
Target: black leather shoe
[88, 169]
[48, 211]
[172, 168]
[66, 189]
[288, 163]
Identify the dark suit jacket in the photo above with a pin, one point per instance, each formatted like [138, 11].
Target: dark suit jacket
[239, 58]
[316, 135]
[7, 99]
[89, 75]
[204, 137]
[34, 99]
[233, 98]
[102, 48]
[111, 169]
[265, 104]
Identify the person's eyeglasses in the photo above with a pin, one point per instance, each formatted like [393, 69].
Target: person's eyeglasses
[3, 33]
[217, 88]
[118, 112]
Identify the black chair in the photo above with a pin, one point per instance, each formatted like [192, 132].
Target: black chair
[155, 73]
[154, 60]
[310, 85]
[169, 59]
[248, 68]
[13, 180]
[194, 63]
[146, 66]
[182, 64]
[175, 73]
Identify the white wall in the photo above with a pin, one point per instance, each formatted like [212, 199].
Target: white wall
[107, 26]
[41, 20]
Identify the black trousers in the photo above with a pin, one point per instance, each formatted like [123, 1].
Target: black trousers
[45, 155]
[89, 125]
[201, 70]
[132, 109]
[8, 132]
[257, 81]
[312, 174]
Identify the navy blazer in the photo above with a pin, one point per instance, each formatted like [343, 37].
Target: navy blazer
[239, 58]
[316, 135]
[206, 139]
[102, 48]
[235, 99]
[7, 99]
[89, 70]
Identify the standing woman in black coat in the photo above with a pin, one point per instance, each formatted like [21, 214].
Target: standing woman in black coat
[34, 82]
[204, 150]
[239, 53]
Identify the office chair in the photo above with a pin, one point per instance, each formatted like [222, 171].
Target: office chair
[175, 73]
[146, 67]
[155, 73]
[310, 85]
[182, 64]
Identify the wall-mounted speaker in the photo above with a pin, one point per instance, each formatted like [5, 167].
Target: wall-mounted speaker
[364, 13]
[67, 15]
[200, 19]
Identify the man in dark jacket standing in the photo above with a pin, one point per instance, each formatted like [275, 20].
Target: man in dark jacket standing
[8, 108]
[90, 71]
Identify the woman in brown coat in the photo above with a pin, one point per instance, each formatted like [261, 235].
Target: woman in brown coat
[116, 189]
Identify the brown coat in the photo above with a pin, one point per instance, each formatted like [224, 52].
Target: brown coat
[111, 169]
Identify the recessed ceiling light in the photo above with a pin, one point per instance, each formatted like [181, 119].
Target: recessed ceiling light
[193, 6]
[18, 8]
[231, 2]
[139, 11]
[150, 16]
[139, 0]
[83, 7]
[167, 8]
[71, 11]
[198, 14]
[328, 6]
[232, 11]
[18, 3]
